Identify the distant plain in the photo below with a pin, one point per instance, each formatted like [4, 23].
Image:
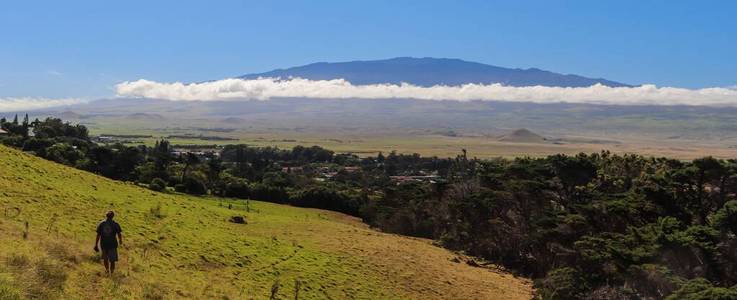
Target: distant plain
[431, 128]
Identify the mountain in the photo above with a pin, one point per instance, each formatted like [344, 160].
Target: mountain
[431, 71]
[144, 116]
[70, 115]
[184, 247]
[522, 136]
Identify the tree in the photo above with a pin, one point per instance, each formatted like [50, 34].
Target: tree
[573, 172]
[214, 168]
[53, 127]
[236, 188]
[562, 283]
[189, 159]
[702, 289]
[725, 219]
[162, 158]
[64, 153]
[194, 185]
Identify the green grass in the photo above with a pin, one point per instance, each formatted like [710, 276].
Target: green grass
[178, 246]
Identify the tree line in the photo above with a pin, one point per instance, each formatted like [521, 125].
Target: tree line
[590, 226]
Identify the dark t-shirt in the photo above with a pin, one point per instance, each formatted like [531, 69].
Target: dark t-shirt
[107, 230]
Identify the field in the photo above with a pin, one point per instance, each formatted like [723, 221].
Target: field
[179, 246]
[426, 143]
[441, 128]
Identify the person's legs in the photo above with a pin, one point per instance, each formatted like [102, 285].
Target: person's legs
[106, 263]
[112, 256]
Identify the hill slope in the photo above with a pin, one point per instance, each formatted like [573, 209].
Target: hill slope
[431, 71]
[183, 247]
[522, 136]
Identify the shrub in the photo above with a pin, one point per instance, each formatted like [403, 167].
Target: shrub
[153, 291]
[327, 197]
[726, 218]
[156, 212]
[651, 280]
[157, 184]
[51, 273]
[562, 283]
[194, 186]
[63, 252]
[17, 260]
[702, 289]
[37, 145]
[7, 290]
[269, 193]
[237, 188]
[13, 141]
[64, 153]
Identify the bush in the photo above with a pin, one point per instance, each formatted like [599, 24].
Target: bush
[51, 273]
[180, 188]
[37, 145]
[7, 290]
[269, 193]
[726, 218]
[324, 197]
[17, 260]
[562, 283]
[64, 153]
[156, 212]
[651, 280]
[702, 289]
[153, 291]
[13, 141]
[237, 188]
[194, 186]
[157, 184]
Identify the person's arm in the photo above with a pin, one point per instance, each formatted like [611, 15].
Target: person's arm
[98, 237]
[120, 234]
[97, 240]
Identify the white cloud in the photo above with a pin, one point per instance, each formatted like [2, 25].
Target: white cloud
[267, 88]
[26, 103]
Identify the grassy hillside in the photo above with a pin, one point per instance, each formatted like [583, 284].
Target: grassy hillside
[184, 247]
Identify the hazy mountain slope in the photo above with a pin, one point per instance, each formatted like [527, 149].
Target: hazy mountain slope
[183, 247]
[522, 136]
[482, 117]
[431, 71]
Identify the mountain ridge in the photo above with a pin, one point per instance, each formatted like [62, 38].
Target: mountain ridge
[428, 71]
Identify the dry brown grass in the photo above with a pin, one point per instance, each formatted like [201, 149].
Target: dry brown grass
[422, 270]
[488, 147]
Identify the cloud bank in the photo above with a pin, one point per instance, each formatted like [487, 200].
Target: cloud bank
[27, 103]
[268, 88]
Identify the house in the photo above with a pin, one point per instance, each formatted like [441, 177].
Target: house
[414, 178]
[352, 169]
[3, 132]
[292, 170]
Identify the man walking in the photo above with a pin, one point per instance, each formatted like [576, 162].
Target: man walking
[107, 231]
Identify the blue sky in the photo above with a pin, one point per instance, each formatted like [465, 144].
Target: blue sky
[83, 48]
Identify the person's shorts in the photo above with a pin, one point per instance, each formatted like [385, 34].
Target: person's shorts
[111, 254]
